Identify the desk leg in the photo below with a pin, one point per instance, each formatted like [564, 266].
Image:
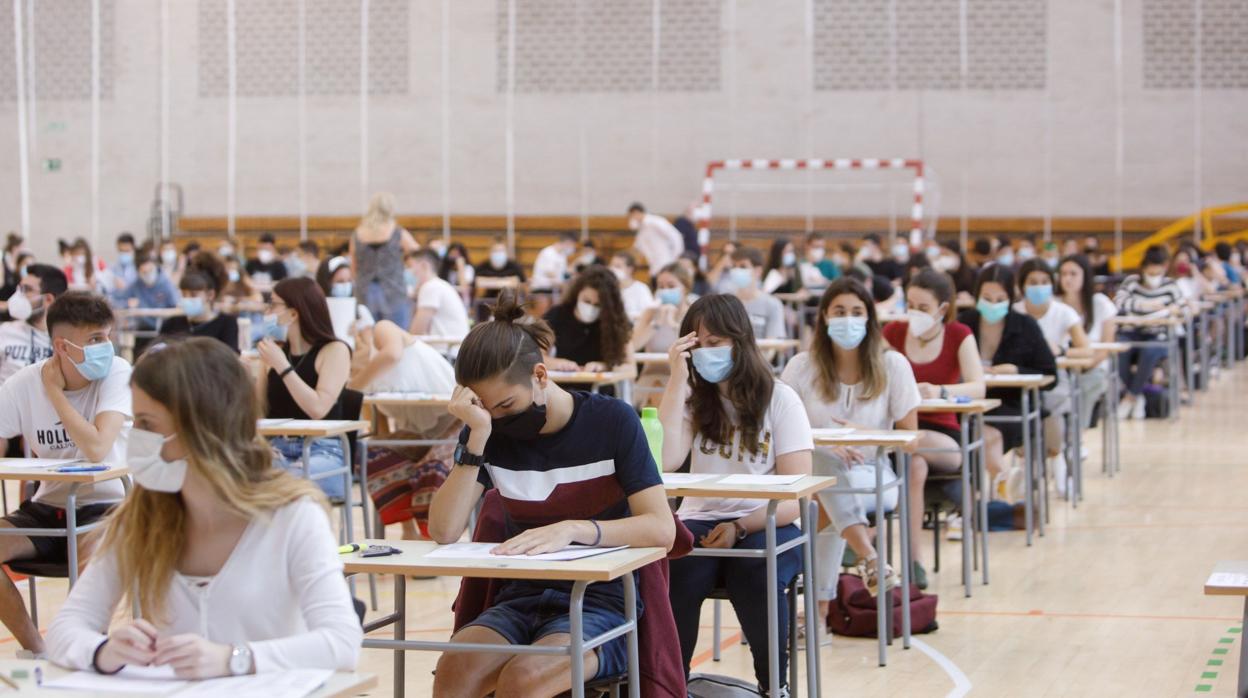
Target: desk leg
[814, 624]
[1243, 656]
[968, 506]
[1074, 475]
[367, 513]
[400, 631]
[577, 645]
[1028, 498]
[348, 516]
[71, 531]
[1040, 470]
[904, 497]
[1204, 351]
[984, 489]
[773, 596]
[1189, 359]
[883, 606]
[1176, 372]
[630, 614]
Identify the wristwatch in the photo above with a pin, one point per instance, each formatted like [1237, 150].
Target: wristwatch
[944, 393]
[241, 660]
[464, 457]
[741, 532]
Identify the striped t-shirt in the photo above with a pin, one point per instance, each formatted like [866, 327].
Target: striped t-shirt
[1133, 293]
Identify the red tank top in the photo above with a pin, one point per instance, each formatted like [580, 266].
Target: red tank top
[943, 370]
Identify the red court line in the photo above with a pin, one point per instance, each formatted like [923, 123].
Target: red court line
[1039, 613]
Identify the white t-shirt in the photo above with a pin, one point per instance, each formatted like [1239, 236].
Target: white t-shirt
[421, 369]
[1055, 323]
[1103, 309]
[637, 298]
[548, 269]
[785, 429]
[20, 346]
[880, 412]
[450, 317]
[658, 241]
[26, 411]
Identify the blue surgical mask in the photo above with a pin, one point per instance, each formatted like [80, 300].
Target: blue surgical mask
[193, 307]
[498, 260]
[670, 296]
[341, 290]
[713, 363]
[1039, 295]
[273, 330]
[741, 278]
[233, 275]
[992, 312]
[848, 332]
[788, 259]
[125, 259]
[1006, 260]
[409, 278]
[97, 359]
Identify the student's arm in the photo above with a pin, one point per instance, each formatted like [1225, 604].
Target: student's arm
[407, 242]
[643, 330]
[795, 463]
[332, 366]
[422, 320]
[454, 501]
[95, 439]
[972, 369]
[82, 623]
[677, 432]
[1078, 341]
[388, 342]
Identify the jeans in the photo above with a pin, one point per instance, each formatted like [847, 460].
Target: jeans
[397, 310]
[324, 456]
[694, 578]
[1145, 358]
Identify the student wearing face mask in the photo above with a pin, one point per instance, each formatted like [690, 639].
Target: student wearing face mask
[657, 239]
[551, 266]
[591, 330]
[766, 311]
[124, 270]
[73, 405]
[306, 369]
[818, 268]
[1009, 343]
[727, 413]
[636, 295]
[152, 289]
[440, 310]
[84, 271]
[587, 458]
[456, 267]
[201, 285]
[170, 261]
[208, 513]
[1150, 293]
[893, 266]
[265, 268]
[781, 274]
[656, 330]
[1027, 249]
[353, 323]
[24, 339]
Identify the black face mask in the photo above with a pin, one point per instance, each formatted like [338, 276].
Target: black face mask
[526, 425]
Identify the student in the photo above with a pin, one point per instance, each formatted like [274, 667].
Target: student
[1009, 343]
[456, 267]
[571, 467]
[307, 369]
[765, 311]
[151, 290]
[13, 244]
[719, 277]
[499, 266]
[550, 269]
[1150, 293]
[199, 303]
[440, 309]
[124, 270]
[850, 377]
[353, 323]
[1225, 254]
[636, 295]
[377, 252]
[781, 274]
[84, 271]
[24, 339]
[208, 515]
[893, 266]
[658, 327]
[817, 269]
[657, 239]
[303, 260]
[588, 258]
[945, 361]
[1078, 290]
[73, 405]
[171, 263]
[729, 414]
[701, 284]
[954, 263]
[591, 331]
[265, 268]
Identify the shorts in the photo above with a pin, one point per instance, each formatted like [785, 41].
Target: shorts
[955, 434]
[526, 619]
[35, 515]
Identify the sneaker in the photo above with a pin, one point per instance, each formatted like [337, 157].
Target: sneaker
[1137, 410]
[953, 526]
[918, 575]
[1057, 466]
[1125, 407]
[868, 570]
[1016, 484]
[782, 692]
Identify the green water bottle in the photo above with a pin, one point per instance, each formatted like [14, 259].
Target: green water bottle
[654, 433]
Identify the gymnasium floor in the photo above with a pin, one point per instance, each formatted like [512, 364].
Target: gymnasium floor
[1109, 603]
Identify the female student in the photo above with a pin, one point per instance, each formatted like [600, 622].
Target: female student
[729, 414]
[850, 377]
[199, 296]
[456, 268]
[1150, 293]
[1010, 343]
[1078, 290]
[656, 330]
[84, 272]
[353, 323]
[591, 330]
[307, 371]
[208, 515]
[376, 252]
[782, 274]
[945, 360]
[571, 467]
[635, 294]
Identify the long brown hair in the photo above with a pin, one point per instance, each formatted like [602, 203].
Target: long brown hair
[749, 384]
[303, 296]
[870, 352]
[512, 343]
[217, 426]
[88, 256]
[614, 327]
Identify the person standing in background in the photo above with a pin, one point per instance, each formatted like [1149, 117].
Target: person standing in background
[376, 252]
[657, 239]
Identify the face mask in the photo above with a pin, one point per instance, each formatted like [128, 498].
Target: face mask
[815, 255]
[587, 313]
[22, 271]
[901, 252]
[150, 470]
[741, 278]
[498, 260]
[125, 259]
[233, 275]
[1006, 260]
[439, 250]
[295, 266]
[920, 323]
[97, 359]
[225, 251]
[273, 330]
[80, 260]
[620, 275]
[847, 332]
[19, 306]
[1153, 280]
[634, 224]
[193, 307]
[265, 256]
[788, 259]
[341, 290]
[1039, 295]
[149, 278]
[713, 363]
[992, 312]
[1026, 253]
[1051, 262]
[670, 296]
[526, 425]
[586, 259]
[932, 253]
[409, 278]
[169, 257]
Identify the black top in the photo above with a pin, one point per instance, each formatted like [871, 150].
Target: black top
[888, 268]
[487, 270]
[222, 327]
[1022, 344]
[574, 340]
[281, 404]
[275, 269]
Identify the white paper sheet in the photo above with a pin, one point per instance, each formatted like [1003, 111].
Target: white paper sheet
[686, 478]
[1228, 579]
[147, 680]
[36, 463]
[830, 433]
[481, 551]
[160, 680]
[760, 480]
[270, 423]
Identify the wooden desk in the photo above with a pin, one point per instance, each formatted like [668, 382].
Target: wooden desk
[440, 340]
[650, 357]
[148, 313]
[414, 561]
[778, 344]
[407, 399]
[1230, 578]
[597, 379]
[1110, 347]
[1019, 380]
[975, 406]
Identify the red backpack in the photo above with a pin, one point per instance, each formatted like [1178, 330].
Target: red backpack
[853, 612]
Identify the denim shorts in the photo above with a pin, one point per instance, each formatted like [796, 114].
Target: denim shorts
[526, 619]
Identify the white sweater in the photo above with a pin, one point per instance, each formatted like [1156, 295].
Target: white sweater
[281, 592]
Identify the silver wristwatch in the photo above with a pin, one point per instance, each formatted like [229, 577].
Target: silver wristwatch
[241, 660]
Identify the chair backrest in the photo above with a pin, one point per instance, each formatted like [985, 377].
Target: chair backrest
[352, 402]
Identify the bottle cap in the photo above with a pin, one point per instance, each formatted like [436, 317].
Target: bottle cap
[649, 412]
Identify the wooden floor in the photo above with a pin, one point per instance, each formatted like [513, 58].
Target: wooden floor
[1108, 603]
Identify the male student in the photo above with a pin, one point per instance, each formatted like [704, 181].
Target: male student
[266, 268]
[657, 239]
[440, 309]
[24, 339]
[72, 405]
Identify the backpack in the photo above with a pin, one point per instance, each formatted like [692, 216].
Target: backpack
[853, 612]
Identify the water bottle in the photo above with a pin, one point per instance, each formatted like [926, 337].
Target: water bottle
[653, 428]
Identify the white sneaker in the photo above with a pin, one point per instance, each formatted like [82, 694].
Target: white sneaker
[1016, 484]
[1137, 410]
[1057, 466]
[953, 526]
[1125, 407]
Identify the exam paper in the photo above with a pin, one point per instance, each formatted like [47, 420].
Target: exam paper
[131, 680]
[37, 463]
[481, 551]
[161, 680]
[760, 479]
[829, 433]
[686, 478]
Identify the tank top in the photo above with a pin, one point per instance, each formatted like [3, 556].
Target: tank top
[380, 263]
[281, 404]
[943, 370]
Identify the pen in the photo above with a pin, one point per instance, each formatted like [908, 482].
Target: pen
[82, 469]
[344, 549]
[38, 676]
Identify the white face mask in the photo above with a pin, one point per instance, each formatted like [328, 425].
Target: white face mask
[620, 275]
[149, 469]
[634, 224]
[265, 256]
[920, 323]
[815, 255]
[1153, 280]
[80, 260]
[587, 313]
[19, 306]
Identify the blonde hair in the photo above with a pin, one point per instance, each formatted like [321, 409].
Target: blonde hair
[380, 210]
[214, 408]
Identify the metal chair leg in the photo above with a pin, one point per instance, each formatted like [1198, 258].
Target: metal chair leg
[34, 602]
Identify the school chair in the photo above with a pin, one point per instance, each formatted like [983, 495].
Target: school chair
[33, 569]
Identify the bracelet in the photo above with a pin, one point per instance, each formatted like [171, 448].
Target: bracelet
[95, 661]
[597, 538]
[289, 369]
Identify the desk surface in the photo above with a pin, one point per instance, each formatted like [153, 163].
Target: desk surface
[714, 488]
[148, 312]
[650, 357]
[312, 427]
[1229, 578]
[339, 685]
[1080, 363]
[595, 377]
[1110, 347]
[769, 344]
[412, 561]
[440, 340]
[408, 399]
[10, 470]
[1168, 321]
[863, 438]
[949, 407]
[1022, 380]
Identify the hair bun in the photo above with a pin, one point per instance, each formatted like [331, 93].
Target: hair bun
[507, 309]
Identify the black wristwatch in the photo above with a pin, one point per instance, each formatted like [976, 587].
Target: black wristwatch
[944, 393]
[464, 457]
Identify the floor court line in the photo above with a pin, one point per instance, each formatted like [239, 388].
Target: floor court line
[961, 684]
[1088, 616]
